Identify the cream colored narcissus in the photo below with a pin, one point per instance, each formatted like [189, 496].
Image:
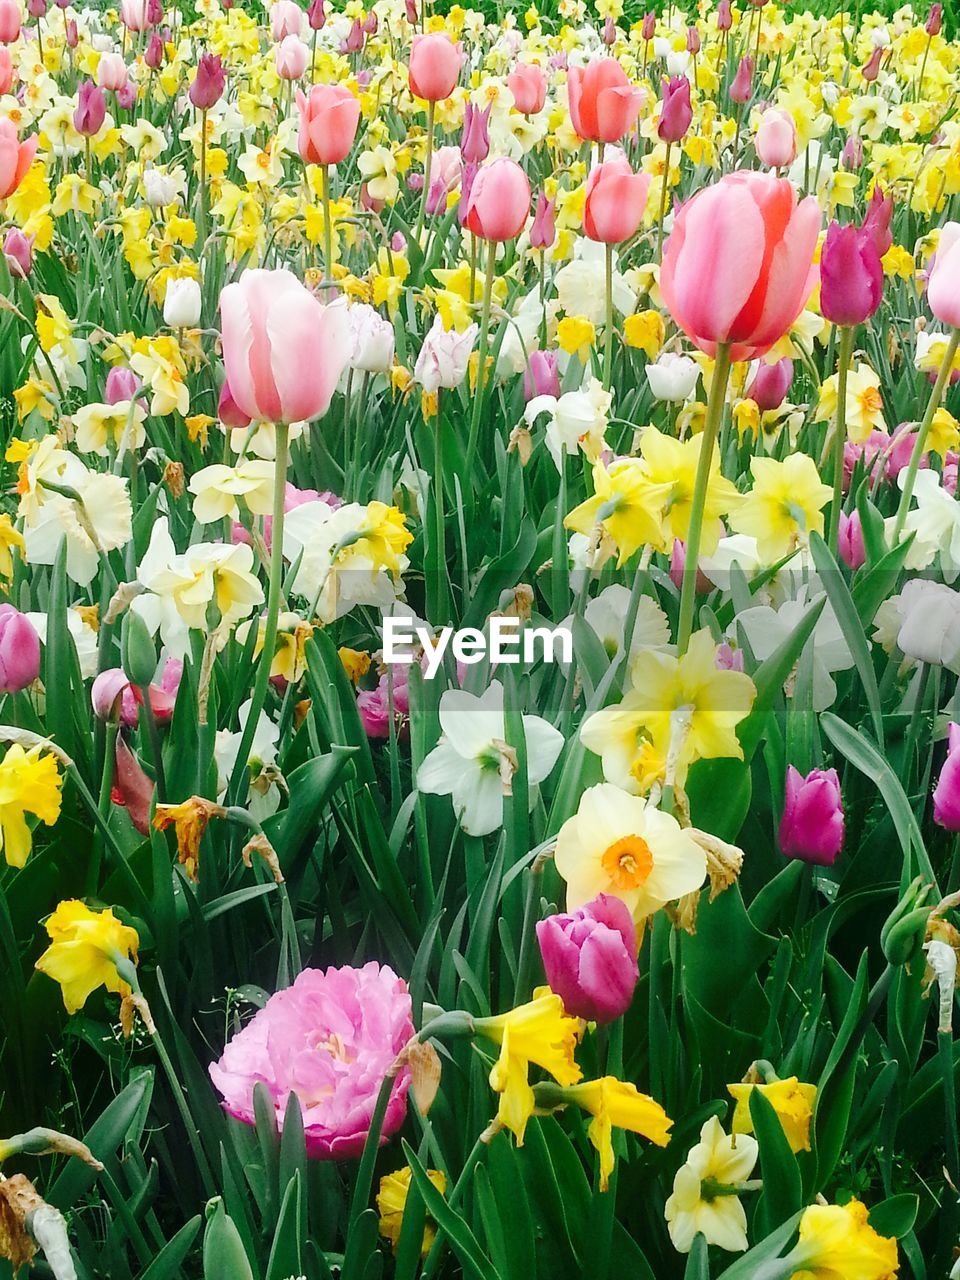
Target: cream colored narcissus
[704, 1198]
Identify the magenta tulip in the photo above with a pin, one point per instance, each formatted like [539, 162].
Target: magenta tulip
[811, 828]
[19, 650]
[590, 958]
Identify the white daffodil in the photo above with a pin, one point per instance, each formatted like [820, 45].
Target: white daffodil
[217, 488]
[704, 1200]
[473, 763]
[935, 520]
[578, 420]
[766, 628]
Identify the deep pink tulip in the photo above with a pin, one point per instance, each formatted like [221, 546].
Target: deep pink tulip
[676, 112]
[434, 66]
[851, 277]
[603, 104]
[16, 157]
[412, 12]
[374, 706]
[738, 265]
[153, 55]
[877, 219]
[528, 84]
[11, 20]
[850, 542]
[946, 794]
[207, 87]
[475, 140]
[91, 109]
[37, 9]
[283, 350]
[132, 789]
[499, 201]
[19, 650]
[871, 69]
[934, 20]
[770, 384]
[329, 116]
[590, 958]
[776, 140]
[18, 250]
[615, 201]
[943, 285]
[544, 229]
[317, 15]
[741, 89]
[541, 378]
[811, 828]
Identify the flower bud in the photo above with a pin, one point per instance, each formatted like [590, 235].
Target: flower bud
[851, 276]
[18, 249]
[122, 384]
[742, 87]
[934, 20]
[91, 109]
[139, 652]
[946, 794]
[850, 540]
[770, 384]
[182, 303]
[590, 958]
[812, 826]
[675, 112]
[540, 378]
[19, 650]
[207, 87]
[106, 695]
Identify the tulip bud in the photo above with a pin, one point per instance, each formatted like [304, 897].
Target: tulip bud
[413, 15]
[946, 794]
[851, 275]
[742, 87]
[770, 384]
[851, 157]
[475, 141]
[137, 647]
[590, 958]
[544, 229]
[398, 242]
[317, 15]
[877, 219]
[207, 88]
[228, 411]
[776, 140]
[850, 542]
[540, 378]
[648, 27]
[609, 36]
[121, 384]
[693, 41]
[934, 20]
[70, 30]
[812, 826]
[354, 40]
[182, 303]
[872, 69]
[153, 56]
[91, 109]
[724, 16]
[18, 250]
[675, 112]
[106, 695]
[37, 8]
[19, 650]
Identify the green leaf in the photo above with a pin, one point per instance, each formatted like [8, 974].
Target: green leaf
[782, 1193]
[895, 1217]
[462, 1240]
[169, 1260]
[224, 1257]
[698, 1259]
[104, 1136]
[285, 1252]
[749, 1265]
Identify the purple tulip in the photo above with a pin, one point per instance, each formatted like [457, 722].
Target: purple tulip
[18, 250]
[770, 384]
[946, 794]
[851, 275]
[19, 650]
[811, 828]
[207, 88]
[676, 112]
[91, 109]
[475, 141]
[742, 87]
[850, 542]
[724, 16]
[590, 958]
[540, 378]
[609, 36]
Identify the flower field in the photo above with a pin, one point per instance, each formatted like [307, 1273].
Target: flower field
[479, 642]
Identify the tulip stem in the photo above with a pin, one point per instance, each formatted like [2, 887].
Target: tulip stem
[438, 612]
[608, 333]
[103, 804]
[481, 358]
[327, 227]
[427, 162]
[663, 203]
[847, 332]
[711, 429]
[237, 790]
[943, 377]
[203, 179]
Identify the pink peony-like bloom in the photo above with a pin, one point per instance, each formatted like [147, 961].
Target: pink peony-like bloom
[331, 1038]
[374, 706]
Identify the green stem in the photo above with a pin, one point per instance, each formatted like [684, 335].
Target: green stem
[936, 395]
[427, 161]
[327, 228]
[663, 202]
[103, 804]
[843, 368]
[437, 590]
[203, 180]
[608, 334]
[239, 780]
[481, 359]
[711, 429]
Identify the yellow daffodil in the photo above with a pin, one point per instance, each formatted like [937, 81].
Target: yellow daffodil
[30, 782]
[626, 505]
[864, 404]
[790, 1099]
[673, 464]
[11, 539]
[784, 506]
[617, 1104]
[838, 1241]
[85, 947]
[392, 1200]
[645, 331]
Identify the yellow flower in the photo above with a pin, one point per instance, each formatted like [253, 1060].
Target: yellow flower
[100, 425]
[627, 506]
[645, 330]
[356, 663]
[392, 1200]
[576, 335]
[704, 1198]
[898, 261]
[837, 1243]
[783, 507]
[746, 418]
[944, 432]
[9, 537]
[673, 464]
[162, 369]
[618, 1104]
[864, 407]
[30, 782]
[791, 1100]
[84, 949]
[618, 844]
[382, 536]
[54, 326]
[189, 820]
[35, 394]
[73, 195]
[289, 657]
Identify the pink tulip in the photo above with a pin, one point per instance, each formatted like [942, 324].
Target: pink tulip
[121, 384]
[590, 958]
[6, 70]
[724, 16]
[91, 109]
[332, 1038]
[412, 13]
[11, 20]
[317, 15]
[812, 826]
[693, 41]
[678, 558]
[675, 111]
[18, 250]
[283, 350]
[540, 378]
[16, 157]
[528, 84]
[111, 71]
[742, 87]
[134, 15]
[872, 68]
[329, 116]
[475, 141]
[946, 794]
[354, 40]
[544, 229]
[132, 789]
[286, 19]
[434, 66]
[851, 277]
[776, 140]
[770, 384]
[934, 20]
[943, 285]
[850, 542]
[445, 173]
[603, 104]
[374, 706]
[208, 84]
[127, 95]
[106, 695]
[648, 27]
[609, 36]
[738, 265]
[153, 56]
[19, 650]
[851, 157]
[877, 219]
[292, 498]
[615, 201]
[499, 201]
[291, 57]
